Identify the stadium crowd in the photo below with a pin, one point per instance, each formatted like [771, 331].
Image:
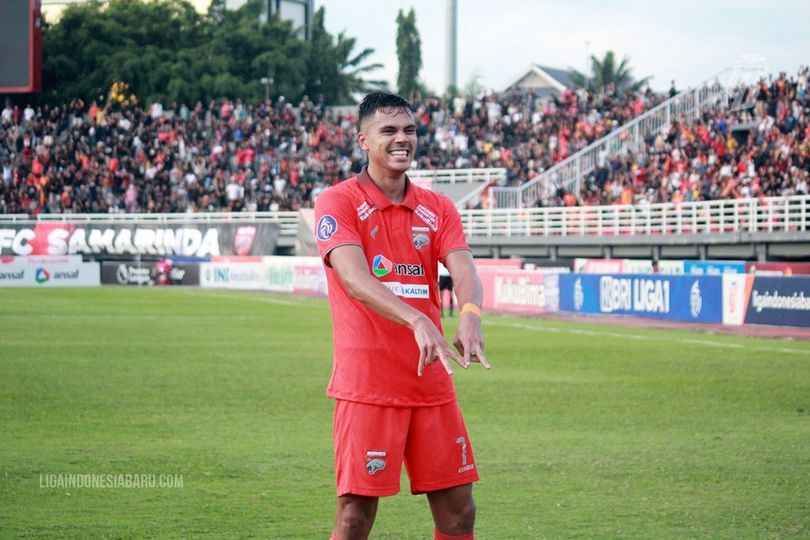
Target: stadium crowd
[270, 156]
[748, 152]
[233, 156]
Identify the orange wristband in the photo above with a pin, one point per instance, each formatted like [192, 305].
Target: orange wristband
[470, 308]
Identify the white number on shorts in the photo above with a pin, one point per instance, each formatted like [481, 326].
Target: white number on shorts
[463, 442]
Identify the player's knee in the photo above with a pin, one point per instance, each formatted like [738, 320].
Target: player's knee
[355, 520]
[458, 519]
[466, 516]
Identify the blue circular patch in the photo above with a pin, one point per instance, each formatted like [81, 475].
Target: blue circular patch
[327, 227]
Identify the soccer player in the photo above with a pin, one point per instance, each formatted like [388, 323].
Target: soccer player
[380, 238]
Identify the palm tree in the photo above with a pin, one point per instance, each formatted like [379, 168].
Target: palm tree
[605, 71]
[333, 70]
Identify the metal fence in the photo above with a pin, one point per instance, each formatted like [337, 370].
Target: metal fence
[768, 215]
[287, 221]
[686, 107]
[454, 176]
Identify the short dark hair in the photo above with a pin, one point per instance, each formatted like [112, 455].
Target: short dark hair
[375, 101]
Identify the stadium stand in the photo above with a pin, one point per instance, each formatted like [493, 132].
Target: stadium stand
[275, 157]
[234, 156]
[698, 145]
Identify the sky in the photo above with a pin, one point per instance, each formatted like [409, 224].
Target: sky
[688, 41]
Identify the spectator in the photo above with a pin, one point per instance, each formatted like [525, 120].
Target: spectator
[235, 155]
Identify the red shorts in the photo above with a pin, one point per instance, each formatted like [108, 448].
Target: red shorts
[371, 443]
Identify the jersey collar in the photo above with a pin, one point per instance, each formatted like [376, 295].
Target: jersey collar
[378, 197]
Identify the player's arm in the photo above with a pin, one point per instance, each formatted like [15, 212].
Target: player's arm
[349, 263]
[469, 336]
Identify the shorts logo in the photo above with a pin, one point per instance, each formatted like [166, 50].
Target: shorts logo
[381, 266]
[419, 237]
[327, 227]
[375, 461]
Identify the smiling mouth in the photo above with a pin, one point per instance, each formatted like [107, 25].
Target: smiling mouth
[401, 153]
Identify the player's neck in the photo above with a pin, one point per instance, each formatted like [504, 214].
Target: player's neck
[391, 183]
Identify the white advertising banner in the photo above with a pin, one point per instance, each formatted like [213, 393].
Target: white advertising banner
[225, 275]
[41, 259]
[736, 290]
[50, 275]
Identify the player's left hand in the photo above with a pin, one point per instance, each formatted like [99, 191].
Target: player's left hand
[469, 340]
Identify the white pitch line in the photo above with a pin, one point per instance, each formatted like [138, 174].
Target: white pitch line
[265, 299]
[711, 343]
[529, 327]
[124, 316]
[704, 342]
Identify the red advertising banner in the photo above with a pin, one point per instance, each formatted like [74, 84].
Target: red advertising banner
[778, 268]
[499, 263]
[598, 266]
[309, 278]
[519, 291]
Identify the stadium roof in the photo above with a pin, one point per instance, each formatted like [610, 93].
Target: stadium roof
[543, 79]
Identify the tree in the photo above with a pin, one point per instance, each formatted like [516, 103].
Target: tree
[163, 50]
[94, 45]
[605, 71]
[409, 54]
[334, 72]
[474, 87]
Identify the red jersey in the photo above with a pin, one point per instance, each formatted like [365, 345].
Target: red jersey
[375, 358]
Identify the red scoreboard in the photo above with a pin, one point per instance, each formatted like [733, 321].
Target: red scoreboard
[20, 46]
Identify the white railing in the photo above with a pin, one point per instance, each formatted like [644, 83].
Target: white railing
[686, 107]
[770, 215]
[287, 221]
[455, 176]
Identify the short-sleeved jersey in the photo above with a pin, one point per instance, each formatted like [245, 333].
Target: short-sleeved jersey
[375, 358]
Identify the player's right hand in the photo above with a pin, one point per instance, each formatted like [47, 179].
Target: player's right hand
[432, 345]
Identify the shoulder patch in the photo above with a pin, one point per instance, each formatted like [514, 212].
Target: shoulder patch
[327, 227]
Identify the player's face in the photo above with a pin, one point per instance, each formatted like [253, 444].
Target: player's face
[389, 138]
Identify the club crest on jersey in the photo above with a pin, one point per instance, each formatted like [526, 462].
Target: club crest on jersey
[365, 210]
[375, 461]
[419, 237]
[428, 216]
[327, 227]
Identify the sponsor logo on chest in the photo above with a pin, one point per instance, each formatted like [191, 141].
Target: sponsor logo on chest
[382, 266]
[365, 210]
[428, 216]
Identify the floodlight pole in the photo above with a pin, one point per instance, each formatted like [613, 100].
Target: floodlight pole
[451, 51]
[266, 81]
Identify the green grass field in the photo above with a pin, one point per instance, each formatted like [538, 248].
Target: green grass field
[580, 431]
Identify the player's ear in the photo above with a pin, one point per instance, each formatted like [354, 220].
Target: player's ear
[361, 140]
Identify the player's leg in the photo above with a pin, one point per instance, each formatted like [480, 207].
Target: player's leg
[440, 463]
[369, 445]
[354, 517]
[453, 512]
